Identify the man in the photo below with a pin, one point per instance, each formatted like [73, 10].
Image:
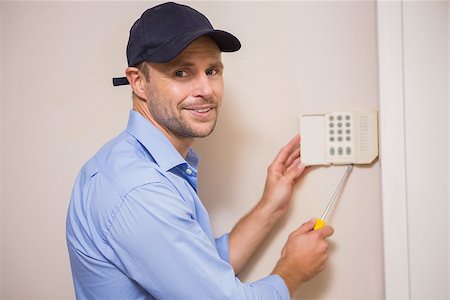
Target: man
[136, 228]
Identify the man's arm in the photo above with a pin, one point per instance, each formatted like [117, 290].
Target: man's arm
[306, 250]
[155, 241]
[254, 227]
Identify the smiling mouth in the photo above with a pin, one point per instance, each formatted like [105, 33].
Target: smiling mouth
[205, 110]
[201, 113]
[199, 109]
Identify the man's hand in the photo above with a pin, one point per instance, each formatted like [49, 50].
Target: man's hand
[254, 227]
[282, 175]
[304, 255]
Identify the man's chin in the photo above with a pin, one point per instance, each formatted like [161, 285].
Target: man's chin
[203, 134]
[204, 131]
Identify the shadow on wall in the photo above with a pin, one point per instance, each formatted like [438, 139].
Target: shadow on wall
[219, 157]
[317, 287]
[221, 183]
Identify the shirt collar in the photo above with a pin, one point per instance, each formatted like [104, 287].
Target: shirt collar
[157, 144]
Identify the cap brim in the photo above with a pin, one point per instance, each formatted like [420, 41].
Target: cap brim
[225, 40]
[167, 52]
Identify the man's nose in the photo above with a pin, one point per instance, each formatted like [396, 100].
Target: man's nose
[203, 87]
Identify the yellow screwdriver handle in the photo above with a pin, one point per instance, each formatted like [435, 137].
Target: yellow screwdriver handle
[319, 224]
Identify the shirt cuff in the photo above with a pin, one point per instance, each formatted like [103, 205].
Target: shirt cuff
[278, 284]
[222, 247]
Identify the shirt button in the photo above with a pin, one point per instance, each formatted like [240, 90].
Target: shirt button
[188, 171]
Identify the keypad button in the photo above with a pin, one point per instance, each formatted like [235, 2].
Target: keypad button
[347, 117]
[331, 139]
[340, 151]
[339, 125]
[331, 125]
[347, 131]
[332, 151]
[347, 124]
[339, 138]
[331, 118]
[331, 131]
[347, 138]
[339, 131]
[348, 151]
[339, 118]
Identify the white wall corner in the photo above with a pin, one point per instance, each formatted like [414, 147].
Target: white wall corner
[1, 145]
[392, 150]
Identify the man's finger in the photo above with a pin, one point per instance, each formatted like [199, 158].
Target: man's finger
[295, 154]
[294, 170]
[287, 150]
[326, 231]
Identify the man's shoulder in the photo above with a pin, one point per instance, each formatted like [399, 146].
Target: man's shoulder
[125, 164]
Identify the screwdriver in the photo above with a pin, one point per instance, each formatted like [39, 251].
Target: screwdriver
[321, 222]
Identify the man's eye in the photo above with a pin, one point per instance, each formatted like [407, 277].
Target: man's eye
[212, 72]
[180, 73]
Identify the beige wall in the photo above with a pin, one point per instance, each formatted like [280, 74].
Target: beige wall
[1, 147]
[58, 107]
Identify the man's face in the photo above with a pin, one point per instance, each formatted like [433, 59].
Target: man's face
[184, 95]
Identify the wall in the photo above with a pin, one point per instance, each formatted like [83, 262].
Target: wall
[414, 49]
[1, 148]
[331, 67]
[59, 107]
[426, 125]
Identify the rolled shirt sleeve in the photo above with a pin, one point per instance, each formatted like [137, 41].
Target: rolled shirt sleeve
[156, 240]
[222, 247]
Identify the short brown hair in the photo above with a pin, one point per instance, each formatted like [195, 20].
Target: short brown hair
[144, 68]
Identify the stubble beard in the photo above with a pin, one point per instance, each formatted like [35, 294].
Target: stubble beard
[177, 125]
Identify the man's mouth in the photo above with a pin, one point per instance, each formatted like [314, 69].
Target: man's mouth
[204, 110]
[201, 113]
[201, 109]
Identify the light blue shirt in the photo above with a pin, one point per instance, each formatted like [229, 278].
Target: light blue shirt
[136, 228]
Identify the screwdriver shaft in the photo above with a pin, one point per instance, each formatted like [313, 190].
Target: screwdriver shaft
[336, 192]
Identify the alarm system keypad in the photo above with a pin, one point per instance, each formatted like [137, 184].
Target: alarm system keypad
[343, 137]
[339, 135]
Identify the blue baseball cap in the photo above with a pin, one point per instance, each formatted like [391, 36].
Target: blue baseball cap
[164, 31]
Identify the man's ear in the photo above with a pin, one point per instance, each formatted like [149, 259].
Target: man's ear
[137, 81]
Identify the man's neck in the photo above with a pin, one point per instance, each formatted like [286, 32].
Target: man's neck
[182, 145]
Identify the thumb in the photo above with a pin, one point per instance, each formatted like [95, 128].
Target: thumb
[307, 227]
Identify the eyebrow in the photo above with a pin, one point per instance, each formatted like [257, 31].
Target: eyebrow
[218, 65]
[187, 64]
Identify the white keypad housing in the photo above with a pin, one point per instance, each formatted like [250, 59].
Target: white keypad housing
[339, 138]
